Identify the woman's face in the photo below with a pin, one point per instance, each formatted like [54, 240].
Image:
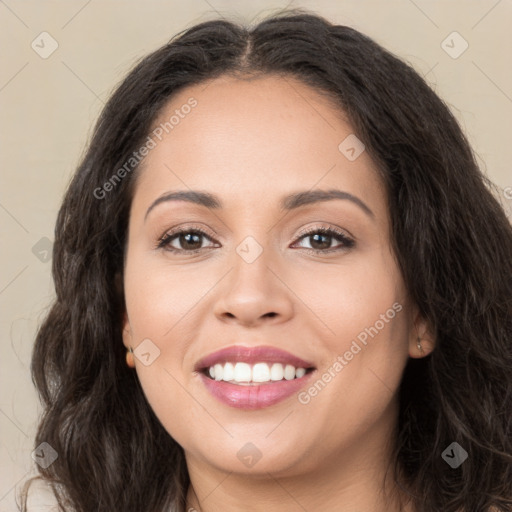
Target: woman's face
[263, 286]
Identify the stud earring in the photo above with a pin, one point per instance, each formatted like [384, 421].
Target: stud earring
[129, 358]
[418, 344]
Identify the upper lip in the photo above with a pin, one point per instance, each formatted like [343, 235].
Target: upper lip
[251, 355]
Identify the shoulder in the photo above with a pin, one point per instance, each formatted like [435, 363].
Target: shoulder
[40, 497]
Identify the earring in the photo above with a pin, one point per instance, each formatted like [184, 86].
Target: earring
[418, 344]
[129, 358]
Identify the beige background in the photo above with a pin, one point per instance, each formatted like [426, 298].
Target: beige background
[49, 106]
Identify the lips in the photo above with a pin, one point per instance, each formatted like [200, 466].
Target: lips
[251, 355]
[247, 386]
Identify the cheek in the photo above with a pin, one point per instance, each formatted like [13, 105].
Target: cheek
[363, 310]
[160, 302]
[356, 299]
[159, 296]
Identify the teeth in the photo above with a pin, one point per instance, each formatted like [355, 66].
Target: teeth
[260, 372]
[228, 372]
[289, 372]
[219, 370]
[242, 372]
[300, 372]
[277, 372]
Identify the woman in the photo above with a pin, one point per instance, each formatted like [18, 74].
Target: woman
[282, 282]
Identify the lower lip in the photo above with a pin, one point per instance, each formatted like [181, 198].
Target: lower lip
[256, 396]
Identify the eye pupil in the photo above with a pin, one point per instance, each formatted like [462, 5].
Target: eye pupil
[187, 241]
[316, 244]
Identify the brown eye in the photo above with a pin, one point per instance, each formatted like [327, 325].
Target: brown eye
[320, 240]
[190, 240]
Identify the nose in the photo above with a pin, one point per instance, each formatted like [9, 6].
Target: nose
[254, 294]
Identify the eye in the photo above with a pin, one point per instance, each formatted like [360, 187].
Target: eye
[190, 240]
[321, 239]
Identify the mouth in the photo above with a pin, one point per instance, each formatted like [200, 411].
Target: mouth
[253, 377]
[244, 374]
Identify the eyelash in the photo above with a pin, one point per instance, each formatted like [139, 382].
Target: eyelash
[347, 242]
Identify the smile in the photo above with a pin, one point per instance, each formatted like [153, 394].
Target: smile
[245, 374]
[253, 377]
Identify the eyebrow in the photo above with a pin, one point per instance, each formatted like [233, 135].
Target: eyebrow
[289, 202]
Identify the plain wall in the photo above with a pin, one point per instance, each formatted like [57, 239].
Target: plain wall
[50, 104]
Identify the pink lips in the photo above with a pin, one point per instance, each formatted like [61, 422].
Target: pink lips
[251, 355]
[254, 396]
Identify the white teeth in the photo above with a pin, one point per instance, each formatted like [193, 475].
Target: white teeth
[300, 372]
[228, 372]
[277, 372]
[289, 372]
[219, 370]
[260, 372]
[244, 373]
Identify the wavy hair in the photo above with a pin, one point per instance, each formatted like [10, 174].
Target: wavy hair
[451, 237]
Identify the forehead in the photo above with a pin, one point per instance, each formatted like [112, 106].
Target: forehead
[253, 139]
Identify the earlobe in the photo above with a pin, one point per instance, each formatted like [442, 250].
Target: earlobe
[130, 361]
[422, 341]
[423, 347]
[127, 341]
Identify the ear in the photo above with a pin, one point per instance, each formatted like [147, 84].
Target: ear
[421, 338]
[128, 340]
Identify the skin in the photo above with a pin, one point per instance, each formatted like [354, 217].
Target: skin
[250, 142]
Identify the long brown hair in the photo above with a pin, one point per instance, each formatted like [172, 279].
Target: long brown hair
[452, 240]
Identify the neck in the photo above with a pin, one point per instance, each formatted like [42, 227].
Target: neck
[357, 477]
